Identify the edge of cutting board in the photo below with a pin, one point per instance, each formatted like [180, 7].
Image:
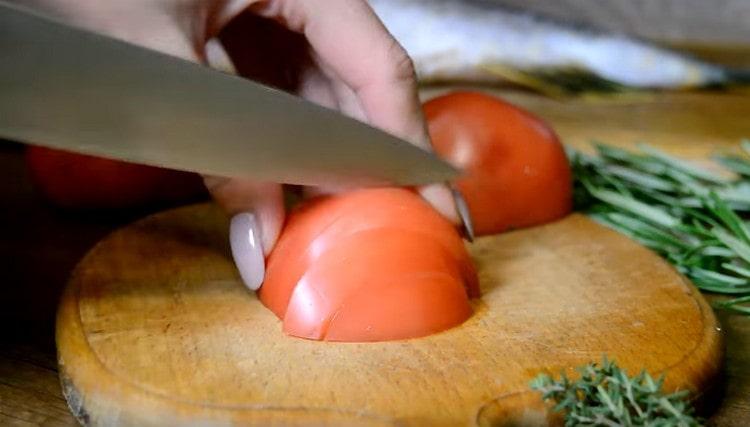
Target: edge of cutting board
[98, 396]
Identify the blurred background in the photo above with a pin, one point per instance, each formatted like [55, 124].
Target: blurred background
[713, 29]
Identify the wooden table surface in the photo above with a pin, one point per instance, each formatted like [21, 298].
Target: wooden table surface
[39, 246]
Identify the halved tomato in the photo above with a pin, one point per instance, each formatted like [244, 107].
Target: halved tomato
[517, 174]
[369, 265]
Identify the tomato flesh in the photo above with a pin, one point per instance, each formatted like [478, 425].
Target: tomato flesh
[369, 265]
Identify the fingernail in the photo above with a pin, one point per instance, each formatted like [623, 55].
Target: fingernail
[463, 213]
[441, 197]
[247, 250]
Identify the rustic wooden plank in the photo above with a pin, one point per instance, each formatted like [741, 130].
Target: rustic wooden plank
[39, 246]
[30, 389]
[734, 409]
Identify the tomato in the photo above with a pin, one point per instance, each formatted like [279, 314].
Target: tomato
[516, 171]
[368, 265]
[77, 181]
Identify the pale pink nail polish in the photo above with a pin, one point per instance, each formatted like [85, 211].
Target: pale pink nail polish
[247, 250]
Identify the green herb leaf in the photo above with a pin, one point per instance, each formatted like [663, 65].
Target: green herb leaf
[604, 395]
[632, 205]
[692, 217]
[682, 165]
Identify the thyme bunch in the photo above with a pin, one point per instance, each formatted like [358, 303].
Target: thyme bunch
[692, 217]
[606, 396]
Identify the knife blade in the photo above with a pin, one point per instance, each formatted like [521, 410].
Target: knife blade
[71, 89]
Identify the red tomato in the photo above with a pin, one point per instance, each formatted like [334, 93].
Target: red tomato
[368, 265]
[78, 181]
[517, 174]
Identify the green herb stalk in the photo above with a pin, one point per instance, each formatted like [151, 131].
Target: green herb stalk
[605, 395]
[690, 216]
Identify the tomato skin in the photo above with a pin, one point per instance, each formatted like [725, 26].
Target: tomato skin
[371, 273]
[368, 265]
[516, 171]
[76, 181]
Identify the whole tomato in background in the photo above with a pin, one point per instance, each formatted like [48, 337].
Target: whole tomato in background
[76, 181]
[516, 171]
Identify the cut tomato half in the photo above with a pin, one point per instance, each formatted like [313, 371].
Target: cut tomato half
[369, 265]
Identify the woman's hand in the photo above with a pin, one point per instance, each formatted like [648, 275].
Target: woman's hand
[333, 52]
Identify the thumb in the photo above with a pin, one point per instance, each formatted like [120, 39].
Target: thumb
[257, 210]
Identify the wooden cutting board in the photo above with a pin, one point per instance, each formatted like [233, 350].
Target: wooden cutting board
[156, 328]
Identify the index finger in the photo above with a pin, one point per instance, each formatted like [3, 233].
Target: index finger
[350, 38]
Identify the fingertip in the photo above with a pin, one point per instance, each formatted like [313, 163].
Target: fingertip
[271, 215]
[245, 241]
[441, 198]
[264, 200]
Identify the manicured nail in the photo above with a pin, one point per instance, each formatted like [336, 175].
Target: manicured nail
[247, 250]
[463, 213]
[442, 199]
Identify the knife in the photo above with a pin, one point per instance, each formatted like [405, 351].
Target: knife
[75, 90]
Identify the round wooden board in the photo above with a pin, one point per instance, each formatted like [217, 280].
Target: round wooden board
[156, 329]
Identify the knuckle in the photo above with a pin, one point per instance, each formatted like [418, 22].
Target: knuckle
[400, 66]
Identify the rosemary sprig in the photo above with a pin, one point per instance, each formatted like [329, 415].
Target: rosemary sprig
[605, 395]
[692, 217]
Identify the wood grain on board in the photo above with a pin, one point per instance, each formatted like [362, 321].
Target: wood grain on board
[156, 328]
